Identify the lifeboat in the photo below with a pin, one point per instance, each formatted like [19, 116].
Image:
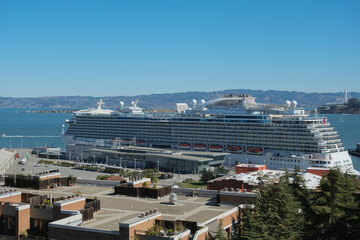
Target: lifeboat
[199, 147]
[216, 148]
[254, 151]
[234, 149]
[185, 146]
[140, 142]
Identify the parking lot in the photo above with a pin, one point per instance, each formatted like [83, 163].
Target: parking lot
[32, 167]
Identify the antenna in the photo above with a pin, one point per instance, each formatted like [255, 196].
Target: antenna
[346, 96]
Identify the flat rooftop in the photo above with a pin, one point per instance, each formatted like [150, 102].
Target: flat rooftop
[117, 209]
[188, 156]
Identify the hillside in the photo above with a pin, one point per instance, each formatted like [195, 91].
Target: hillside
[168, 100]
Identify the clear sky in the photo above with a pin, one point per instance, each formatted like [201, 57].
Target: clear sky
[110, 48]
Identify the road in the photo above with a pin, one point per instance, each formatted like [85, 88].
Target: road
[31, 167]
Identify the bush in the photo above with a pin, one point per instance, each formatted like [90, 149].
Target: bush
[102, 177]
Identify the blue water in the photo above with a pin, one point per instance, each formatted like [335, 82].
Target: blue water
[38, 129]
[31, 129]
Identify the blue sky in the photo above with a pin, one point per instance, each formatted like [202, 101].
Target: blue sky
[110, 48]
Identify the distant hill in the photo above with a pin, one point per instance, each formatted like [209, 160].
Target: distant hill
[168, 100]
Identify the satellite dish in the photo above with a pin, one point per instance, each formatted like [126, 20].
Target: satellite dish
[202, 101]
[294, 103]
[287, 103]
[122, 104]
[194, 101]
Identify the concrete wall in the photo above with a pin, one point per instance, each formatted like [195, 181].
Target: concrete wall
[42, 214]
[68, 229]
[198, 192]
[7, 157]
[76, 233]
[100, 183]
[184, 235]
[236, 198]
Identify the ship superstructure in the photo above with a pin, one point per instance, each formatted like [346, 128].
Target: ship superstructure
[276, 135]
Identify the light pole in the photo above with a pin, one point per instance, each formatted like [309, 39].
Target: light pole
[70, 156]
[107, 160]
[120, 161]
[158, 165]
[81, 157]
[135, 164]
[94, 159]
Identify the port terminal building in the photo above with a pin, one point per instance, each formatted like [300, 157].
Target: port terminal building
[142, 157]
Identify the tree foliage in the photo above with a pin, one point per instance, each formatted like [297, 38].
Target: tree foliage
[206, 175]
[291, 211]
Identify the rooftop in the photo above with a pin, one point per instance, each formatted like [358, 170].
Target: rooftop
[117, 209]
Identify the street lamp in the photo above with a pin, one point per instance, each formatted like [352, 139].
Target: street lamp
[158, 165]
[120, 161]
[107, 160]
[135, 164]
[94, 159]
[81, 157]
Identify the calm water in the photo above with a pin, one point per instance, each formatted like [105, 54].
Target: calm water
[37, 129]
[31, 129]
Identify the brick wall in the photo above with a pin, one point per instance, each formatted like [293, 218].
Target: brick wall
[22, 219]
[14, 197]
[127, 231]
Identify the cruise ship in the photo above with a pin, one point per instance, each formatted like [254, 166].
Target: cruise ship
[279, 136]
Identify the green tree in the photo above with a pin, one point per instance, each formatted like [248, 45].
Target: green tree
[206, 175]
[220, 233]
[277, 213]
[334, 207]
[221, 170]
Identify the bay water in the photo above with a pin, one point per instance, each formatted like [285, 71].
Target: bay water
[28, 130]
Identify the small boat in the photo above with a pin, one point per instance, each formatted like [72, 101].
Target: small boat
[216, 148]
[234, 149]
[185, 146]
[3, 135]
[199, 147]
[254, 151]
[341, 119]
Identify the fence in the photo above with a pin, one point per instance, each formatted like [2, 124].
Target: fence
[87, 214]
[34, 182]
[142, 192]
[92, 203]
